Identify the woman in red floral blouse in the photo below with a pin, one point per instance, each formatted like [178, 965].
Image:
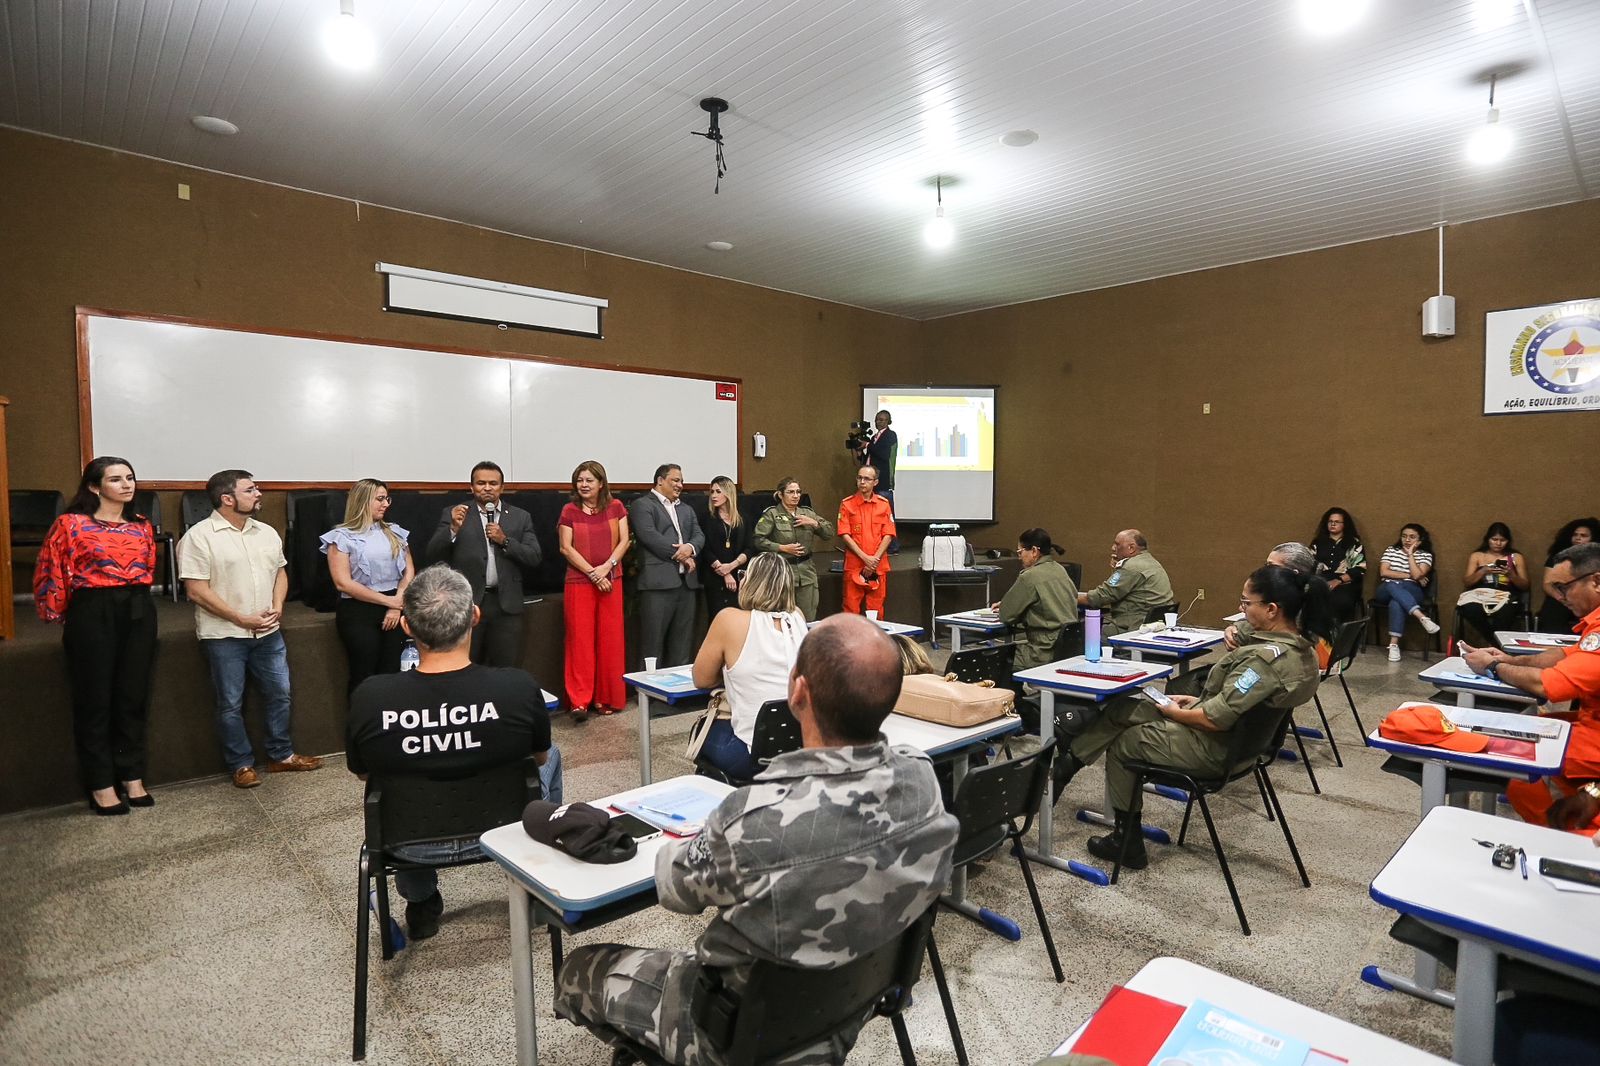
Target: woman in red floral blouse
[94, 575]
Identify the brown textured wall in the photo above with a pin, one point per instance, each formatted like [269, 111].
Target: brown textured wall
[1322, 391]
[87, 226]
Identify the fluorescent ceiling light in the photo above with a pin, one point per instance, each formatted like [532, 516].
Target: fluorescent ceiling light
[346, 41]
[1325, 18]
[1491, 142]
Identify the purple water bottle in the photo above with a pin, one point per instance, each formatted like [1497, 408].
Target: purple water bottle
[1091, 634]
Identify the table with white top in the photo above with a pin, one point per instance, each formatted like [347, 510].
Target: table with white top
[894, 629]
[1049, 680]
[1182, 644]
[671, 686]
[986, 622]
[1455, 676]
[1521, 642]
[1182, 982]
[1549, 752]
[1444, 879]
[570, 893]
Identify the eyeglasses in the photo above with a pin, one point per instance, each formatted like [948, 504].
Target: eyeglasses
[1020, 551]
[1560, 587]
[1248, 603]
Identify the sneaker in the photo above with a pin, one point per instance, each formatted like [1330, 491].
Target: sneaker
[422, 918]
[1429, 624]
[1394, 653]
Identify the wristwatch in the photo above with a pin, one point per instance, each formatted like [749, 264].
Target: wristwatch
[1492, 671]
[1591, 787]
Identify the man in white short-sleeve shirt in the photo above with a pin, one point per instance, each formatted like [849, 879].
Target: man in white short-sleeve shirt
[232, 568]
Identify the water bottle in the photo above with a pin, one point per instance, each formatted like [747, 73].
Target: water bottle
[410, 657]
[1091, 634]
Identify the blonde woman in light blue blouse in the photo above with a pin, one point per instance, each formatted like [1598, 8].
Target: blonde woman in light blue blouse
[370, 562]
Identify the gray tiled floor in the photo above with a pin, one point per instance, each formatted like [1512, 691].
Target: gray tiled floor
[219, 925]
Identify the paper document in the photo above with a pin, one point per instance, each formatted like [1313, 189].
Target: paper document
[1476, 718]
[680, 677]
[1208, 1034]
[677, 808]
[1466, 675]
[1550, 641]
[978, 616]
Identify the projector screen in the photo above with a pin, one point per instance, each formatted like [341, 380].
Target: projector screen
[945, 469]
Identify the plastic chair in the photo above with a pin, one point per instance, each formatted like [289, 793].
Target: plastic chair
[32, 513]
[776, 732]
[195, 508]
[783, 1009]
[1346, 646]
[1159, 614]
[990, 801]
[408, 810]
[1252, 744]
[974, 665]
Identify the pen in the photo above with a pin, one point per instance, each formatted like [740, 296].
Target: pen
[677, 817]
[1522, 857]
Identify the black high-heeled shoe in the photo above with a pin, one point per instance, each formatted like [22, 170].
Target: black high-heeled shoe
[146, 800]
[119, 807]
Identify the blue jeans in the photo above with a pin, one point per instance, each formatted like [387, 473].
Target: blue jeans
[1403, 597]
[728, 753]
[415, 886]
[267, 660]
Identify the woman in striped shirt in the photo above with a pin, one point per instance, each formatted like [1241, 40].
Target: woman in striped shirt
[1403, 576]
[94, 575]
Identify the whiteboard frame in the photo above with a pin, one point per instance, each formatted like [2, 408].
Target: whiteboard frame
[86, 450]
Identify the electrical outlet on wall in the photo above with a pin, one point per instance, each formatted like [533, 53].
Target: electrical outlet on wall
[1200, 594]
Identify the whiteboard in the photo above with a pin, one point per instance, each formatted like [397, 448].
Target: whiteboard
[182, 400]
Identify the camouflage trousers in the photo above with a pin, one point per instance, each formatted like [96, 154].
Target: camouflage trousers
[648, 995]
[1132, 729]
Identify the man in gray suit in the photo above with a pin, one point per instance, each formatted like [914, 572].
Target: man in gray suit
[669, 534]
[489, 543]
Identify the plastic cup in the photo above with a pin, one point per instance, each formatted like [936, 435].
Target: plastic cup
[1172, 619]
[872, 616]
[649, 662]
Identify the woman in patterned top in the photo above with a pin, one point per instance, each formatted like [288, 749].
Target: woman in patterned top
[1404, 573]
[370, 561]
[94, 575]
[1341, 561]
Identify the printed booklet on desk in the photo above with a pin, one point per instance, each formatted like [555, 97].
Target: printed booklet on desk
[678, 809]
[677, 679]
[1207, 1035]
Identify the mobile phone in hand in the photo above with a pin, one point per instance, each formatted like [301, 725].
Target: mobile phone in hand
[1157, 697]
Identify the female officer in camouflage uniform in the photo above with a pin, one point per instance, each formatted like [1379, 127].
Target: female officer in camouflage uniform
[792, 531]
[1276, 672]
[1042, 600]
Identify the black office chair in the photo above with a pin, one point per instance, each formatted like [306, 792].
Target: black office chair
[1378, 613]
[32, 513]
[422, 810]
[1346, 646]
[1252, 745]
[776, 732]
[1159, 614]
[1518, 608]
[975, 665]
[147, 503]
[195, 508]
[988, 804]
[782, 1009]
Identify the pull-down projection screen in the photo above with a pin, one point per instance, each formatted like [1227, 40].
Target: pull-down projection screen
[945, 470]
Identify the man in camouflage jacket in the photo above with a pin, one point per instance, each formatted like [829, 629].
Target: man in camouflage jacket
[834, 851]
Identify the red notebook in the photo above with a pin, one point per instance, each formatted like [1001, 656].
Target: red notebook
[1129, 1028]
[1104, 677]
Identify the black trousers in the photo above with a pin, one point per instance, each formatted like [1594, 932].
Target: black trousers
[110, 641]
[497, 640]
[369, 647]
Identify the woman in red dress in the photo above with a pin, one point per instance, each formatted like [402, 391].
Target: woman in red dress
[94, 575]
[594, 536]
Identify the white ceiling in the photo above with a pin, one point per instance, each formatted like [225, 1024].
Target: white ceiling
[1173, 134]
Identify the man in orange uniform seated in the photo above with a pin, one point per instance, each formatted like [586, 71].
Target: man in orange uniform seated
[1573, 799]
[866, 526]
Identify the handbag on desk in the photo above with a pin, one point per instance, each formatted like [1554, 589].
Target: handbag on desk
[946, 701]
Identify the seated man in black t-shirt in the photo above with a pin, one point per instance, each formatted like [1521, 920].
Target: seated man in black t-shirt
[448, 716]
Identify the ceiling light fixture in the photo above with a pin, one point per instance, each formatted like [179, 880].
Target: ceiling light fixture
[1325, 18]
[720, 246]
[1018, 138]
[1491, 142]
[714, 105]
[938, 233]
[211, 124]
[346, 41]
[1495, 14]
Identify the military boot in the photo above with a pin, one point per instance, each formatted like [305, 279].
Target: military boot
[1062, 771]
[1109, 847]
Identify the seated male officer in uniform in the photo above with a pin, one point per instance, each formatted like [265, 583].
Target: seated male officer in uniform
[448, 716]
[1275, 672]
[1137, 585]
[1558, 675]
[833, 851]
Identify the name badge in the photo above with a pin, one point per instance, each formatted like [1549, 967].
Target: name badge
[1247, 681]
[1591, 642]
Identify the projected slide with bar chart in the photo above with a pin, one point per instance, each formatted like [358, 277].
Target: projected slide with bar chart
[945, 467]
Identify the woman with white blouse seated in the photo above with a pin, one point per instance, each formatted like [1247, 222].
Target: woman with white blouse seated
[749, 651]
[371, 566]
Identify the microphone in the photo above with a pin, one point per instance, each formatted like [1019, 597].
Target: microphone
[491, 514]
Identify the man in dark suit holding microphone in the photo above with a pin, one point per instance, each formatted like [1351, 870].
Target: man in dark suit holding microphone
[489, 543]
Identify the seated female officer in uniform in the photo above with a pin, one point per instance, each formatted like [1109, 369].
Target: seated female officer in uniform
[1042, 600]
[1276, 673]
